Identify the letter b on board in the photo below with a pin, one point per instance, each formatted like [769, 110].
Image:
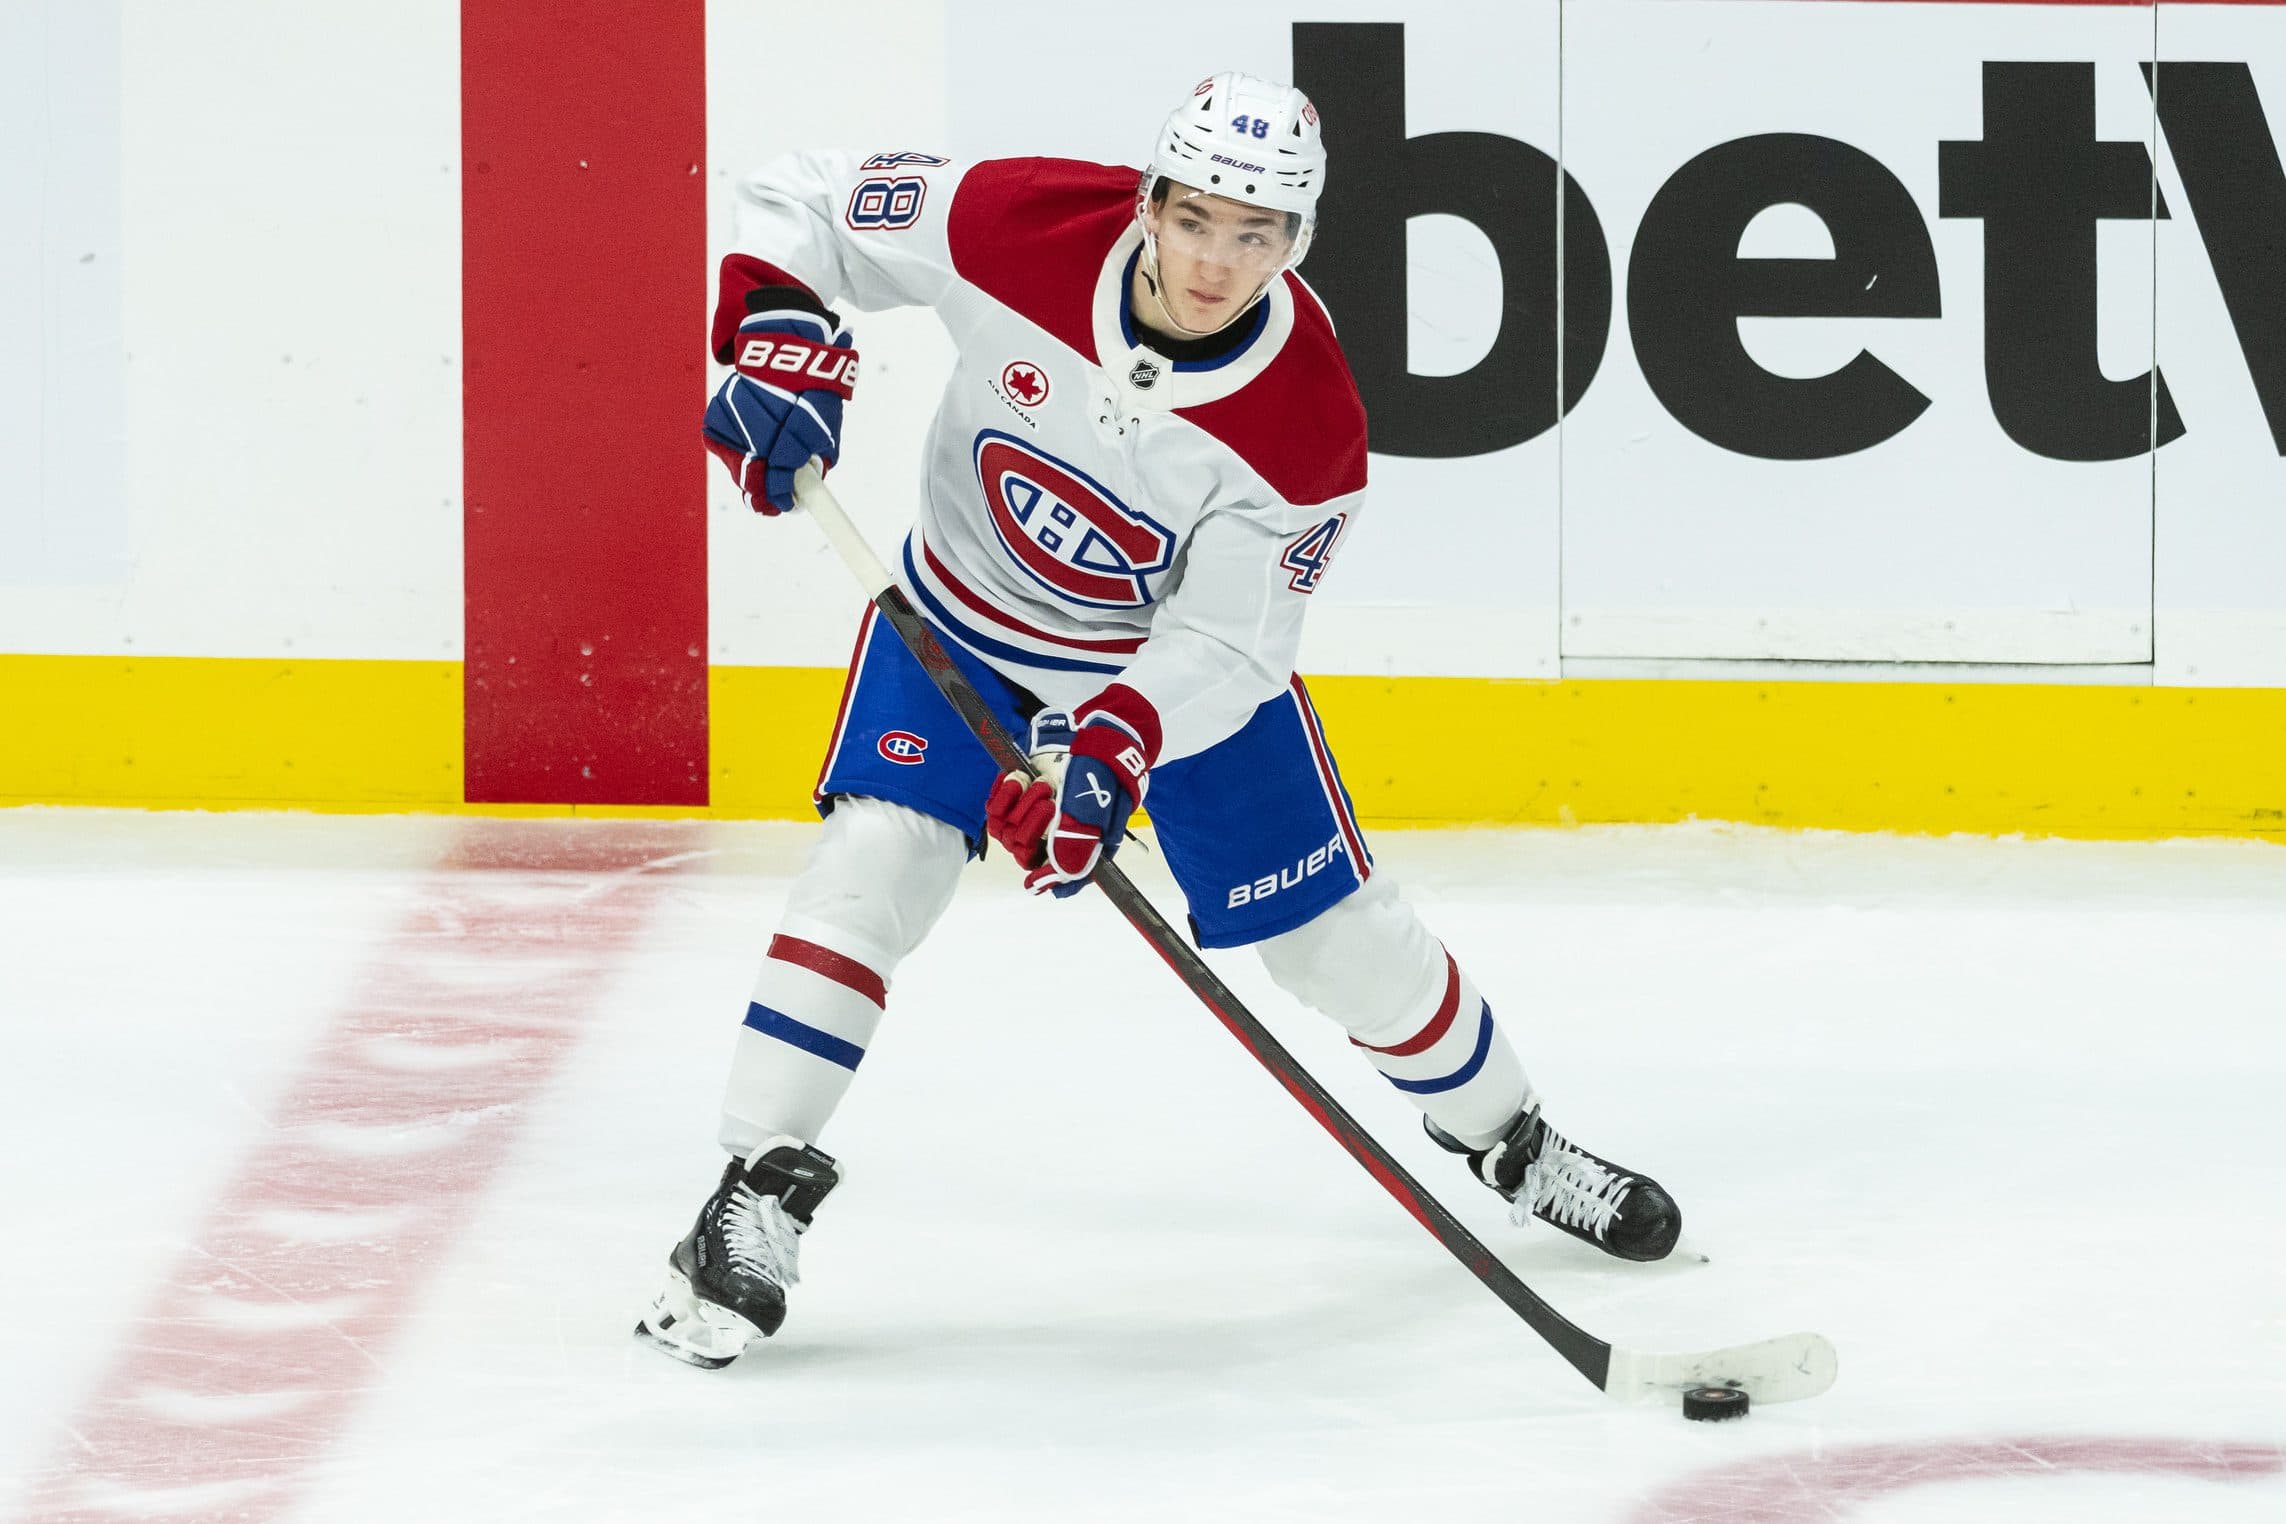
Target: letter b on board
[1355, 73]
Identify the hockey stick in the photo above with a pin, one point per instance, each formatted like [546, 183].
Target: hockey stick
[1776, 1370]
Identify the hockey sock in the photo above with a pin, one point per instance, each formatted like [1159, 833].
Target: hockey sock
[1455, 1063]
[1370, 964]
[877, 881]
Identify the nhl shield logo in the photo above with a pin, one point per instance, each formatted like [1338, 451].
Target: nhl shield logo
[1144, 376]
[1065, 530]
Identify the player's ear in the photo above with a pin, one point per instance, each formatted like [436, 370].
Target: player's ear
[1155, 201]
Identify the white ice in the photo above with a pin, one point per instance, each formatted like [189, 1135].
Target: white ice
[2004, 1119]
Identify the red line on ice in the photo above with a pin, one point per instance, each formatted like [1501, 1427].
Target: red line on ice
[239, 1377]
[1776, 1489]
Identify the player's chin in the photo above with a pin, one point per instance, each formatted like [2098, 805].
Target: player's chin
[1206, 316]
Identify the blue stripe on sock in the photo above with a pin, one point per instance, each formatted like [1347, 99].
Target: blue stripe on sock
[800, 1034]
[1458, 1077]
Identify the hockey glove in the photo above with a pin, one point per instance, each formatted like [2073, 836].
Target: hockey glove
[1094, 769]
[792, 369]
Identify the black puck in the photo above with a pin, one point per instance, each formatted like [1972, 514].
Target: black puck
[1712, 1404]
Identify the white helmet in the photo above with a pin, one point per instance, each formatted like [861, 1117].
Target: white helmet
[1249, 140]
[1246, 139]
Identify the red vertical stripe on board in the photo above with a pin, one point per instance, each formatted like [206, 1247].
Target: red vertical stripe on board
[583, 288]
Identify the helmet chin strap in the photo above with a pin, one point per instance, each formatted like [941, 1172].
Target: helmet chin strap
[1148, 267]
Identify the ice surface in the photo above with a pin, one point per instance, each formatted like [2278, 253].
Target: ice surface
[342, 1153]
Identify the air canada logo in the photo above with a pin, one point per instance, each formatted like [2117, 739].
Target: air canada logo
[1025, 382]
[1066, 531]
[902, 747]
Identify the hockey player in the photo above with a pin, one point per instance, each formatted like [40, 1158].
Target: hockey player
[1148, 453]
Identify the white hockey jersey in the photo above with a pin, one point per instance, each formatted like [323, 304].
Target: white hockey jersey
[1090, 510]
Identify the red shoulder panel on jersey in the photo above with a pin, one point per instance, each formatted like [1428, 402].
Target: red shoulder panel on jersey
[1032, 234]
[1300, 424]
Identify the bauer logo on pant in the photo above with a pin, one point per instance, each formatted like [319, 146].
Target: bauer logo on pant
[1064, 531]
[902, 747]
[1286, 878]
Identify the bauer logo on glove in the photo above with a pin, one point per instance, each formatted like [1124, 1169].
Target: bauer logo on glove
[792, 361]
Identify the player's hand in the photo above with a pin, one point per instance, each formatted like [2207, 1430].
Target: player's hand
[792, 369]
[1094, 769]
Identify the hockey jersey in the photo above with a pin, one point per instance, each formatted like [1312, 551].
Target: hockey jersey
[1090, 510]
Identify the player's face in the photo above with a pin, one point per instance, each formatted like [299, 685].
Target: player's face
[1214, 255]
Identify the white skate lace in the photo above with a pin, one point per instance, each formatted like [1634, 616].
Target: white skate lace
[1567, 1187]
[760, 1238]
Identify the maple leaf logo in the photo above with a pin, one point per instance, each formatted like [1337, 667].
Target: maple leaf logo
[1024, 383]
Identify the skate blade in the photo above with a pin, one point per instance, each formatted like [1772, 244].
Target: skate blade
[695, 1331]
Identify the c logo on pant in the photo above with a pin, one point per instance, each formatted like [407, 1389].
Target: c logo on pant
[902, 747]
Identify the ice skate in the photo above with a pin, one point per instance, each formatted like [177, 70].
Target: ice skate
[727, 1279]
[1545, 1175]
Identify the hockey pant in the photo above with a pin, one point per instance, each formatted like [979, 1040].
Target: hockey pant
[880, 876]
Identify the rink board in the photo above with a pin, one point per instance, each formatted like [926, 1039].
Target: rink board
[326, 571]
[2091, 761]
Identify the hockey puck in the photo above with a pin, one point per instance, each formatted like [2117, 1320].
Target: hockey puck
[1713, 1404]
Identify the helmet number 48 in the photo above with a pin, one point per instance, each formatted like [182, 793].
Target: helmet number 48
[1258, 126]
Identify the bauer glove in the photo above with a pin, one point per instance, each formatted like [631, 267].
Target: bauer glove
[1095, 767]
[792, 369]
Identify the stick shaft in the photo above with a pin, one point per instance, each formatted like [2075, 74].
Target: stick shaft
[1590, 1356]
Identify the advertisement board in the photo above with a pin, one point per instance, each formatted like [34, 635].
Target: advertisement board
[2220, 573]
[1880, 383]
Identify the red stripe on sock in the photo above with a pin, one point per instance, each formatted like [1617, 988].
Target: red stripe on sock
[1439, 1024]
[847, 972]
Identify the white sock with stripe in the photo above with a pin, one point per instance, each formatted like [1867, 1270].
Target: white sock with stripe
[1370, 964]
[1453, 1061]
[811, 1019]
[878, 879]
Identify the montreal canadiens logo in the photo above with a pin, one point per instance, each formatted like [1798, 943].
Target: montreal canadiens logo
[1025, 382]
[1065, 530]
[902, 747]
